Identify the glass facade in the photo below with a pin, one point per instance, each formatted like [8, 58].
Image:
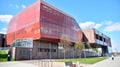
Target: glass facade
[102, 39]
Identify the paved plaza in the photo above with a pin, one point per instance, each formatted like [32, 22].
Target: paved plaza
[42, 63]
[108, 63]
[16, 64]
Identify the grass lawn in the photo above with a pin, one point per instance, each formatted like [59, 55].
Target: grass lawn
[3, 56]
[83, 60]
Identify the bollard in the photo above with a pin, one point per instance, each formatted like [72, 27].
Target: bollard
[77, 64]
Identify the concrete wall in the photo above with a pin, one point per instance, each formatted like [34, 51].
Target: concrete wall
[22, 53]
[41, 50]
[44, 50]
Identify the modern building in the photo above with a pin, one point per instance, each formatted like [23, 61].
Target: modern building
[45, 25]
[98, 40]
[2, 40]
[36, 31]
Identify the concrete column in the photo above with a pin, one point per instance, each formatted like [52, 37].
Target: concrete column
[104, 50]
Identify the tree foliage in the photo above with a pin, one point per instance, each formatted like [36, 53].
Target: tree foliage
[79, 46]
[88, 45]
[64, 43]
[95, 49]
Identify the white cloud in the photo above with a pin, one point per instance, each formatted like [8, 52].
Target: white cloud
[112, 27]
[17, 6]
[5, 18]
[115, 46]
[2, 32]
[4, 29]
[98, 25]
[89, 24]
[107, 22]
[23, 6]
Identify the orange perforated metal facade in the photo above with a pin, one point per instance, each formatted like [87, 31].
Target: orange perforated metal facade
[42, 21]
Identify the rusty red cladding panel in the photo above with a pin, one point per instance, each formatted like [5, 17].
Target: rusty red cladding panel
[80, 35]
[54, 23]
[26, 24]
[51, 26]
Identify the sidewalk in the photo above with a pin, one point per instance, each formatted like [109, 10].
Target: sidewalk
[15, 64]
[108, 63]
[34, 63]
[31, 64]
[39, 63]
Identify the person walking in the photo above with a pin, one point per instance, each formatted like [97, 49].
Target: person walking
[9, 56]
[112, 57]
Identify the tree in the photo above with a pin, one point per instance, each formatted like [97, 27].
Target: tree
[88, 45]
[95, 49]
[79, 46]
[64, 43]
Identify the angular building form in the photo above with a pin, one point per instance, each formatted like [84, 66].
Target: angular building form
[45, 25]
[98, 40]
[35, 33]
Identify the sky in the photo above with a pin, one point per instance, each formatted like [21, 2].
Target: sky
[104, 15]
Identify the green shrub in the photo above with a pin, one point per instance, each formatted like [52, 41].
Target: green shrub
[3, 55]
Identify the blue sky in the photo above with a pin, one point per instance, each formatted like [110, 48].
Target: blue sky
[104, 15]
